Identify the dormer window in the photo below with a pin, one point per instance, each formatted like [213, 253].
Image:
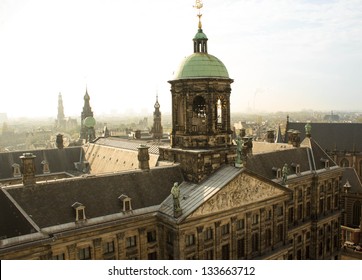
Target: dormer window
[326, 162]
[278, 172]
[126, 203]
[16, 170]
[296, 168]
[45, 166]
[79, 211]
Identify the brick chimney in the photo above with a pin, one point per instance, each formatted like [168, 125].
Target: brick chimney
[28, 169]
[59, 141]
[296, 138]
[270, 138]
[143, 157]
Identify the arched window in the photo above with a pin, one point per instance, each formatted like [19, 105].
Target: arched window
[219, 112]
[344, 163]
[356, 213]
[199, 106]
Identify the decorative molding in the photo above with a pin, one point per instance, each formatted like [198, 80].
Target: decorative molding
[243, 190]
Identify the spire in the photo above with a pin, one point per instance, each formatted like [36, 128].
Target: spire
[198, 6]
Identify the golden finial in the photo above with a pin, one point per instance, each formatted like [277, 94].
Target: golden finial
[198, 6]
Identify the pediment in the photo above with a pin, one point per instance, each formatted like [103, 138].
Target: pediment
[242, 190]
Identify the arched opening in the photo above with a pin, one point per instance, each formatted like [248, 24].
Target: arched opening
[219, 112]
[344, 163]
[199, 107]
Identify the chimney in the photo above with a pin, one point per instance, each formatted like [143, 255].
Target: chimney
[28, 161]
[143, 158]
[290, 136]
[308, 130]
[270, 138]
[296, 138]
[248, 146]
[59, 141]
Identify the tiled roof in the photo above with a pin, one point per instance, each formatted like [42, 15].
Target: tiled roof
[129, 144]
[49, 204]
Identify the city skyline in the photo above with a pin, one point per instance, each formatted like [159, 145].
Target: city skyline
[282, 55]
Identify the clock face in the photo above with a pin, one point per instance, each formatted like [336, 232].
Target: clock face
[89, 122]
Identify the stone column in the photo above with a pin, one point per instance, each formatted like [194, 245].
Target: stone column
[248, 235]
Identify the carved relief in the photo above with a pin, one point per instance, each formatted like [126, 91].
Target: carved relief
[243, 190]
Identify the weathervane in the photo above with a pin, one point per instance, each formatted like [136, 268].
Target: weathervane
[198, 6]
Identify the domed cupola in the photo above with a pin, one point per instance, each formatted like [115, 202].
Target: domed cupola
[201, 128]
[201, 64]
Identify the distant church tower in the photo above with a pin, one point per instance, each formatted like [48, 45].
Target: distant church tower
[201, 129]
[60, 123]
[87, 127]
[157, 130]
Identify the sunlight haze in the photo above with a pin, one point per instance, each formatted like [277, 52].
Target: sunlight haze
[283, 55]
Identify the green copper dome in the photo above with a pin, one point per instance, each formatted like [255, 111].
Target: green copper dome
[201, 65]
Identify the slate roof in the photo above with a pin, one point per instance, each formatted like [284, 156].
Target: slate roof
[310, 158]
[12, 222]
[60, 160]
[49, 204]
[350, 174]
[333, 136]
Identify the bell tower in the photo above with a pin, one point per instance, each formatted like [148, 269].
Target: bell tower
[201, 129]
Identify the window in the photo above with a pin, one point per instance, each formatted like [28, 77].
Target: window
[280, 232]
[321, 206]
[125, 202]
[320, 249]
[291, 215]
[219, 112]
[190, 239]
[108, 247]
[209, 254]
[344, 163]
[225, 229]
[307, 253]
[208, 234]
[335, 241]
[307, 235]
[199, 106]
[268, 237]
[151, 236]
[300, 211]
[79, 211]
[299, 239]
[308, 209]
[170, 237]
[240, 224]
[255, 219]
[131, 241]
[241, 248]
[336, 201]
[59, 257]
[16, 170]
[84, 253]
[152, 256]
[279, 211]
[255, 242]
[269, 215]
[356, 213]
[329, 203]
[308, 191]
[225, 252]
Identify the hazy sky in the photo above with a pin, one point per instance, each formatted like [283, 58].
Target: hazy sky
[283, 55]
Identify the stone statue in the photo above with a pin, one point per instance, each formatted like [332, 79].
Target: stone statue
[285, 173]
[175, 191]
[239, 152]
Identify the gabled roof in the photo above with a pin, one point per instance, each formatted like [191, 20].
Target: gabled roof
[350, 175]
[216, 194]
[333, 136]
[50, 204]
